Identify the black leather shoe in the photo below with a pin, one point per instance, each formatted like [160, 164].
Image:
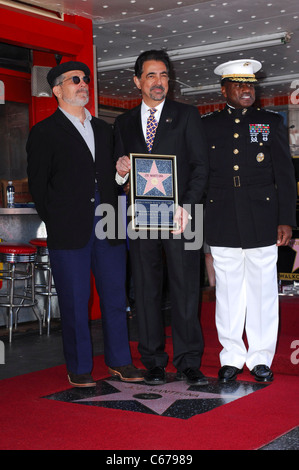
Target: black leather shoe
[81, 380]
[228, 374]
[262, 373]
[155, 376]
[192, 376]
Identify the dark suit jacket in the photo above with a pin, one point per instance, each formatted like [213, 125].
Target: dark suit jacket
[179, 133]
[251, 185]
[62, 174]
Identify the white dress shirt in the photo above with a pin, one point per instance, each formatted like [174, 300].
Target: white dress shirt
[85, 129]
[145, 113]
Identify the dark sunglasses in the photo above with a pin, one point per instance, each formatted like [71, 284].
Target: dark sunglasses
[77, 80]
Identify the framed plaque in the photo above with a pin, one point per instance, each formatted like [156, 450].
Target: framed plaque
[153, 187]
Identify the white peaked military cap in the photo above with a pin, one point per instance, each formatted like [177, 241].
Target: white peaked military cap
[239, 70]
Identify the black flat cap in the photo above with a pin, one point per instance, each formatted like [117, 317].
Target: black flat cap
[66, 67]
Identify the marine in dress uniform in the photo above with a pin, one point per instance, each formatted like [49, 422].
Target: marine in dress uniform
[250, 209]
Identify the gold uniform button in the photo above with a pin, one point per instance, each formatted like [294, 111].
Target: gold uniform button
[236, 151]
[260, 157]
[236, 167]
[237, 121]
[236, 136]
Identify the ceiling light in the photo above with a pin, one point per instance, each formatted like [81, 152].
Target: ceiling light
[207, 50]
[231, 46]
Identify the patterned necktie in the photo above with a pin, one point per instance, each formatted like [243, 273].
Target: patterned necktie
[151, 128]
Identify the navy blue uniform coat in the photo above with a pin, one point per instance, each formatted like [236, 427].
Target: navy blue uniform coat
[252, 186]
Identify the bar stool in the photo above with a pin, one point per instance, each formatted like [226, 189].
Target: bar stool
[15, 255]
[46, 289]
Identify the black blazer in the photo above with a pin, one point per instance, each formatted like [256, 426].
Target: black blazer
[252, 185]
[179, 133]
[62, 175]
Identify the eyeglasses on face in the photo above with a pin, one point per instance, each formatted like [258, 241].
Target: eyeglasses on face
[77, 80]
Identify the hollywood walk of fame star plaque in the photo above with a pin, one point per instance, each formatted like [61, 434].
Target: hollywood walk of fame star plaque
[174, 399]
[153, 187]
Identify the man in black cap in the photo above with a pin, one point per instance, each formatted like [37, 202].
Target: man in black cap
[250, 211]
[70, 173]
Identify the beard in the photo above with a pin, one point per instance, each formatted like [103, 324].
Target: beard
[80, 99]
[157, 96]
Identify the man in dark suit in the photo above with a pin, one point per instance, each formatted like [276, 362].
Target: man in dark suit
[71, 172]
[179, 132]
[250, 211]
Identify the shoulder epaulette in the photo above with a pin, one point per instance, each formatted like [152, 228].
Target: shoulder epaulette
[270, 111]
[210, 114]
[267, 110]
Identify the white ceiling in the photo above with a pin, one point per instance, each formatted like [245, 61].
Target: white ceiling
[124, 28]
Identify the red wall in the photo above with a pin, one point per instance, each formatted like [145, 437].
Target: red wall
[203, 109]
[71, 38]
[17, 85]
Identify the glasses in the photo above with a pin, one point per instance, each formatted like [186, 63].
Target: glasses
[77, 80]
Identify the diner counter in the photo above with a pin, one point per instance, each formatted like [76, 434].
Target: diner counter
[21, 224]
[17, 210]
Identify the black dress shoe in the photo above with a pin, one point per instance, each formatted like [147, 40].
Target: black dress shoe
[262, 373]
[192, 376]
[81, 380]
[155, 376]
[228, 374]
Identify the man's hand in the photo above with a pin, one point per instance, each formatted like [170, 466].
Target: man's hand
[182, 219]
[123, 166]
[284, 235]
